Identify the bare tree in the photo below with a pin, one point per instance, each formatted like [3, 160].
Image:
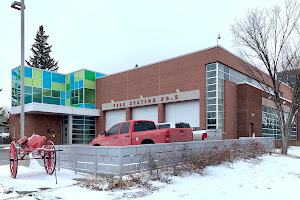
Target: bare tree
[268, 39]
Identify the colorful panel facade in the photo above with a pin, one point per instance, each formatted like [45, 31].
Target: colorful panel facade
[77, 89]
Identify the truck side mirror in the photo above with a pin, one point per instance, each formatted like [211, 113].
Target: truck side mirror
[104, 133]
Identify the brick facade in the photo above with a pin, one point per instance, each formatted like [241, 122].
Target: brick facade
[249, 110]
[44, 125]
[230, 110]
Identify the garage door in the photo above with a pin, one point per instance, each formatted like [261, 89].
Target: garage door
[145, 113]
[114, 116]
[187, 111]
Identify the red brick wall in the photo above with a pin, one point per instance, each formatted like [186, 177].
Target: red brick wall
[249, 100]
[128, 114]
[161, 113]
[230, 109]
[185, 73]
[37, 123]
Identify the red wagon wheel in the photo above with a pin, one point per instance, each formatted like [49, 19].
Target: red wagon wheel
[13, 160]
[50, 158]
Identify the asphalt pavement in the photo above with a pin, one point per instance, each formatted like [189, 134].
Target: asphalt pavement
[4, 154]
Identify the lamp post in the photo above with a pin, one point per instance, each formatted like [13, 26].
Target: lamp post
[21, 6]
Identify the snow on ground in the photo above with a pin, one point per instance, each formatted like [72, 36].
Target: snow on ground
[265, 178]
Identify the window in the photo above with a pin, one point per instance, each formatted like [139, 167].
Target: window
[125, 127]
[270, 126]
[144, 126]
[163, 126]
[114, 130]
[182, 125]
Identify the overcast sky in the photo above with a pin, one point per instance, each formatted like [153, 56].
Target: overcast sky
[110, 36]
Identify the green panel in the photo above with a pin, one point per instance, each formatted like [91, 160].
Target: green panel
[68, 87]
[74, 101]
[68, 79]
[67, 102]
[47, 100]
[79, 76]
[89, 75]
[28, 98]
[27, 90]
[90, 84]
[47, 92]
[81, 95]
[28, 81]
[62, 87]
[55, 101]
[89, 96]
[77, 106]
[37, 83]
[55, 86]
[37, 74]
[13, 83]
[37, 95]
[55, 93]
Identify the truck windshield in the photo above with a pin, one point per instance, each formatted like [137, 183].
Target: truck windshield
[143, 126]
[182, 125]
[163, 126]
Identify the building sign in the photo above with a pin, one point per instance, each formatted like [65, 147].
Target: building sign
[168, 98]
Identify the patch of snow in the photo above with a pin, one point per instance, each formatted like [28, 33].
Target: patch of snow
[262, 178]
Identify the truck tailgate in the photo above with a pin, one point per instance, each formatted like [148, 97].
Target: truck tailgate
[180, 134]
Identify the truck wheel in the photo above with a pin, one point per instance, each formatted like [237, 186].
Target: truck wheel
[147, 141]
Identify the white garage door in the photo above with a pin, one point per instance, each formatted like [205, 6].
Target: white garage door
[145, 113]
[114, 116]
[183, 112]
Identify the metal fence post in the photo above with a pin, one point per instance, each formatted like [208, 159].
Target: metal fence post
[58, 159]
[96, 160]
[120, 163]
[75, 160]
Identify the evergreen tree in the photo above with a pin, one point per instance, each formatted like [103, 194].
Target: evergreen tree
[41, 53]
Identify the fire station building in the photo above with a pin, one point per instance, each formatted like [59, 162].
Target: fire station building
[209, 89]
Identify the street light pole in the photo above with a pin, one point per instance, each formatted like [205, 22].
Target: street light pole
[22, 117]
[21, 6]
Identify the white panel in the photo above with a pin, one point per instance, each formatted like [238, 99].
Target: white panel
[114, 116]
[145, 113]
[183, 112]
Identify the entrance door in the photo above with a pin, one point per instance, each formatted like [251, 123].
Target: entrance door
[65, 134]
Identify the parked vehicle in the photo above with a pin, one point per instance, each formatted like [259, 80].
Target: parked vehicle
[198, 135]
[137, 132]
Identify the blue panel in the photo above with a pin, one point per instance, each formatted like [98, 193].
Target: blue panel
[90, 106]
[76, 85]
[56, 78]
[14, 74]
[72, 82]
[62, 102]
[62, 94]
[81, 84]
[28, 72]
[63, 79]
[47, 80]
[81, 105]
[68, 95]
[99, 75]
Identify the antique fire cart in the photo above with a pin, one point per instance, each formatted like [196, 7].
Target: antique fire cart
[35, 146]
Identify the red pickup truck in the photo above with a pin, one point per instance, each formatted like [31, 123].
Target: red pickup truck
[137, 132]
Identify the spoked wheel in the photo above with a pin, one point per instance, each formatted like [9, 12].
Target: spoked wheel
[13, 159]
[50, 158]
